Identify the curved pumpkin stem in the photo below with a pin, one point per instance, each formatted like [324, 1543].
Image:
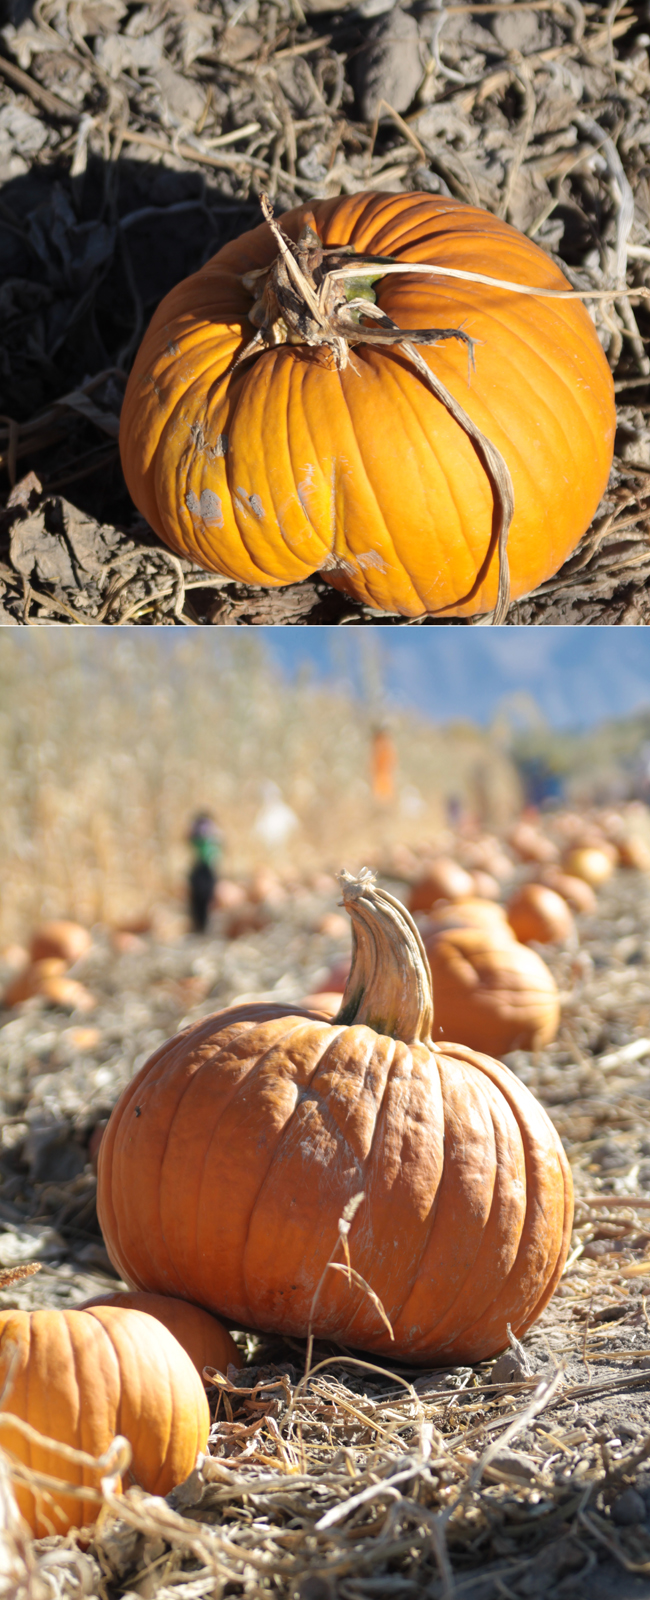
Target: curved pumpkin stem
[389, 987]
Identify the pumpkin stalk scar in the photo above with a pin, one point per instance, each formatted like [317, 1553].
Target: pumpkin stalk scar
[308, 297]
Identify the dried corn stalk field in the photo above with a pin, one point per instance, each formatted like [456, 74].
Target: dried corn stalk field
[521, 1477]
[133, 144]
[105, 753]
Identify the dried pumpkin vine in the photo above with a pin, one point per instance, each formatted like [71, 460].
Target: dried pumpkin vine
[319, 297]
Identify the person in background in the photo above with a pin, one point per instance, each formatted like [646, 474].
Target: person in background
[207, 845]
[383, 763]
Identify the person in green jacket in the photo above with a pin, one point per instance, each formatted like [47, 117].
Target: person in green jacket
[207, 846]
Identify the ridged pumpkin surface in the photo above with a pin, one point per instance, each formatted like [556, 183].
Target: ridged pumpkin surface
[81, 1377]
[203, 1339]
[257, 1126]
[290, 466]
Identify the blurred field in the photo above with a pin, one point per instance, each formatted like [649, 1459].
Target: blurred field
[108, 748]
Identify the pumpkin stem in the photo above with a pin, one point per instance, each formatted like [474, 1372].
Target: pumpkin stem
[389, 987]
[324, 297]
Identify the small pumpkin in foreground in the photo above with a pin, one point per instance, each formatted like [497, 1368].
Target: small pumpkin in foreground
[268, 440]
[81, 1377]
[230, 1159]
[539, 915]
[203, 1339]
[490, 990]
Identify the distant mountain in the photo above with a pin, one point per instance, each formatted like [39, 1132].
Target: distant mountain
[575, 678]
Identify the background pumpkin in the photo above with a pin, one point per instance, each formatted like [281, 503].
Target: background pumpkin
[633, 852]
[30, 981]
[468, 914]
[442, 879]
[203, 1339]
[67, 941]
[81, 1377]
[257, 1126]
[578, 894]
[530, 844]
[289, 466]
[590, 862]
[490, 991]
[540, 915]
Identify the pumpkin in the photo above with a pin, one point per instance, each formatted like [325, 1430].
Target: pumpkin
[67, 941]
[590, 862]
[256, 445]
[80, 1377]
[441, 879]
[529, 844]
[633, 852]
[231, 1157]
[490, 990]
[30, 981]
[485, 887]
[469, 914]
[578, 894]
[486, 854]
[266, 888]
[540, 915]
[337, 976]
[229, 896]
[326, 1000]
[203, 1339]
[47, 978]
[66, 993]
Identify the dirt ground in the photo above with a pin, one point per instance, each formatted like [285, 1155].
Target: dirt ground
[134, 140]
[561, 1506]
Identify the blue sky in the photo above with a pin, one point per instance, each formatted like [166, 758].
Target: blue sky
[575, 677]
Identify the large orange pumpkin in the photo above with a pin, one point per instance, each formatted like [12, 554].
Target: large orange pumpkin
[287, 463]
[489, 990]
[80, 1378]
[229, 1160]
[204, 1340]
